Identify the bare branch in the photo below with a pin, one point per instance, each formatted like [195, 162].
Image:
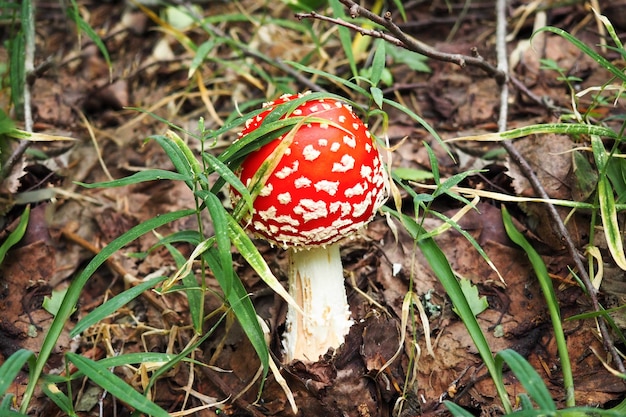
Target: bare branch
[403, 40]
[363, 31]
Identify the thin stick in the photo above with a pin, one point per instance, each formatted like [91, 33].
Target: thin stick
[399, 38]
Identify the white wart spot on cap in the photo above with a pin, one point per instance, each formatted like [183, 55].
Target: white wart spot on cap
[328, 186]
[310, 153]
[345, 165]
[358, 189]
[284, 198]
[311, 209]
[350, 141]
[266, 190]
[302, 182]
[287, 171]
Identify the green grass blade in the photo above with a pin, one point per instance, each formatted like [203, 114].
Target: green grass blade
[616, 171]
[419, 120]
[441, 267]
[138, 177]
[111, 306]
[106, 379]
[177, 156]
[73, 13]
[526, 374]
[74, 290]
[240, 303]
[605, 314]
[573, 129]
[200, 55]
[457, 410]
[15, 235]
[603, 62]
[400, 7]
[553, 306]
[120, 360]
[378, 62]
[58, 397]
[17, 51]
[219, 216]
[227, 175]
[12, 366]
[136, 358]
[610, 29]
[194, 293]
[600, 155]
[186, 153]
[434, 166]
[248, 250]
[610, 224]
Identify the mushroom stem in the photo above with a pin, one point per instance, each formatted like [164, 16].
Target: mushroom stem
[317, 285]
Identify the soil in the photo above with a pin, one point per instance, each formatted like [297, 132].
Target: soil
[76, 94]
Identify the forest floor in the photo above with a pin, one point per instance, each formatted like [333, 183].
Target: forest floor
[77, 95]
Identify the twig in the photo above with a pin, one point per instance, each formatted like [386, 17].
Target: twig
[503, 63]
[363, 31]
[534, 97]
[399, 38]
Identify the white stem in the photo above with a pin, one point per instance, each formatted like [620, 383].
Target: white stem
[316, 283]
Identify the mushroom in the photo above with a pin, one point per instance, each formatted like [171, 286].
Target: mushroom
[328, 184]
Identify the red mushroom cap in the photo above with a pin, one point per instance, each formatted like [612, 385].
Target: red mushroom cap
[328, 184]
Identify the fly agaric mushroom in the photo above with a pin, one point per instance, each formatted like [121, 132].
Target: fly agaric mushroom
[328, 184]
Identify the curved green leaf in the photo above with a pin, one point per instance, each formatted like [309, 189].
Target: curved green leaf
[608, 212]
[138, 177]
[16, 235]
[239, 301]
[112, 305]
[526, 374]
[116, 386]
[587, 50]
[220, 225]
[12, 366]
